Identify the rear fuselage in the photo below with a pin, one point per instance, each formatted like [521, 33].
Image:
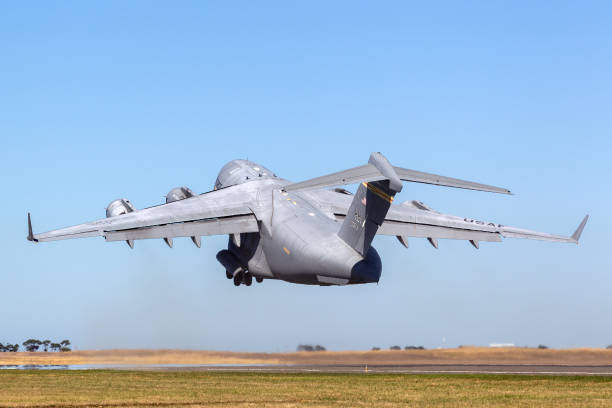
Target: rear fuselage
[297, 240]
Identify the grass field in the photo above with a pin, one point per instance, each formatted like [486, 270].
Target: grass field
[221, 389]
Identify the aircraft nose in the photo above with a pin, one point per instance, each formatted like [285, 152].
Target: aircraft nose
[367, 270]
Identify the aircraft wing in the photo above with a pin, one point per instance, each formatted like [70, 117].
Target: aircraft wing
[415, 219]
[403, 221]
[219, 212]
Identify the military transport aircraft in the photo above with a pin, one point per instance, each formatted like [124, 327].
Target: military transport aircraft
[302, 232]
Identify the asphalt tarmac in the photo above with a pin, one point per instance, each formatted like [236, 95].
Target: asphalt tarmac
[522, 369]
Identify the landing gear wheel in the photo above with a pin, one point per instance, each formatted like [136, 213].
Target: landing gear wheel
[259, 279]
[238, 278]
[248, 279]
[229, 275]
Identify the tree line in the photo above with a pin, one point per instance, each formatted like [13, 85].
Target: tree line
[9, 347]
[36, 345]
[310, 347]
[399, 348]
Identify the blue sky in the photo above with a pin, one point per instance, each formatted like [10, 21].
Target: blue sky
[114, 99]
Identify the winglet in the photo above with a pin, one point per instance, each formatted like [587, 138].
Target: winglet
[30, 234]
[578, 232]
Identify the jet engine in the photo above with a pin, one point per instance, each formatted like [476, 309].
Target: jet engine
[119, 207]
[178, 193]
[233, 267]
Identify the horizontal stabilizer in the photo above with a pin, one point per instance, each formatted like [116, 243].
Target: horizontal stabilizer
[355, 175]
[378, 169]
[428, 178]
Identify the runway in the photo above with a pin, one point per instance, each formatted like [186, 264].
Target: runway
[604, 370]
[516, 369]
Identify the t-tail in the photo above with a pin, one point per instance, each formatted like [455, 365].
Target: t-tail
[370, 205]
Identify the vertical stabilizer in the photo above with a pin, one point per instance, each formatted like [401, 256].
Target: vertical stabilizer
[369, 207]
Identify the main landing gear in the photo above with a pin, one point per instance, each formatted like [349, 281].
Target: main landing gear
[238, 276]
[242, 277]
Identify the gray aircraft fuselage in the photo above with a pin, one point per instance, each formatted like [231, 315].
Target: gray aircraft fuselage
[297, 242]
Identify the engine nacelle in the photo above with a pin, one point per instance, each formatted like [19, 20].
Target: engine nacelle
[178, 193]
[230, 262]
[119, 207]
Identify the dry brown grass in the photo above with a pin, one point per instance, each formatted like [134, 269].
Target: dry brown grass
[470, 355]
[135, 357]
[102, 388]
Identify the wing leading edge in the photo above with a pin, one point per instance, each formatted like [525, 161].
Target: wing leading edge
[415, 219]
[443, 227]
[220, 212]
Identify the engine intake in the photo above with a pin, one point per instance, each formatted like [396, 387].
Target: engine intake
[179, 193]
[230, 262]
[119, 207]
